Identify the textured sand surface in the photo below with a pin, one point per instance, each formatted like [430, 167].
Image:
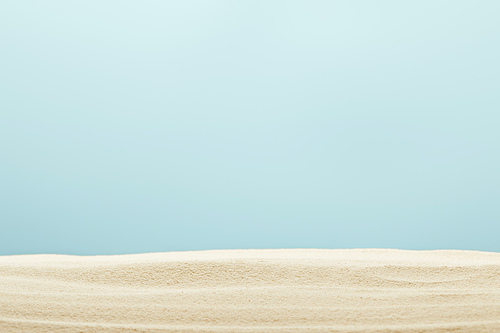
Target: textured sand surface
[365, 290]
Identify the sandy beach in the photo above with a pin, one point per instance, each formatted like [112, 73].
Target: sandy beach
[299, 290]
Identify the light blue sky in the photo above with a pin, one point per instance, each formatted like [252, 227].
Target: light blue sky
[141, 126]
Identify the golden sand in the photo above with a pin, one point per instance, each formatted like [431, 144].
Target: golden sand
[299, 290]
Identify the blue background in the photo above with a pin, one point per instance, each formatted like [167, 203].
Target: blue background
[141, 126]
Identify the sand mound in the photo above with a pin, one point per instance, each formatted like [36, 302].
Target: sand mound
[362, 290]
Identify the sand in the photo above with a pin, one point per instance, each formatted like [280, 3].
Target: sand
[359, 290]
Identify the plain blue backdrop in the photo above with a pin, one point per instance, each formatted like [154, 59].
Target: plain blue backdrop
[141, 126]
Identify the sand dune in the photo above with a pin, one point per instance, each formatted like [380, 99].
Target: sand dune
[362, 290]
